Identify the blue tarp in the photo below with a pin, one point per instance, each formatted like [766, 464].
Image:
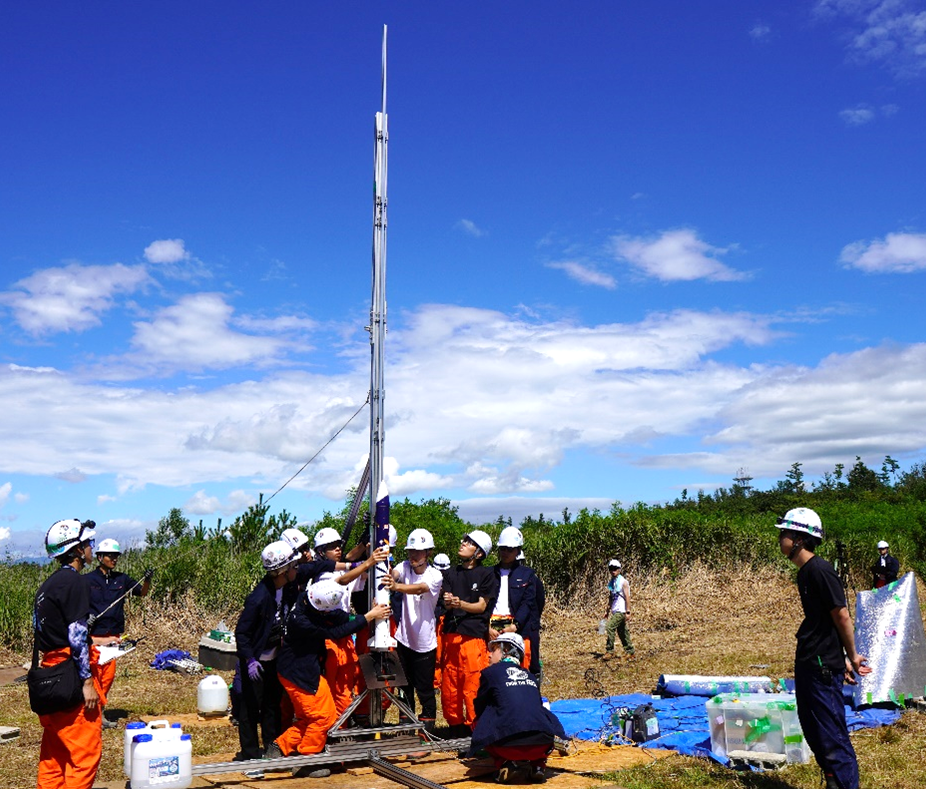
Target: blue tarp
[682, 720]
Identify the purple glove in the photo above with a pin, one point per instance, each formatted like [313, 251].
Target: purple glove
[255, 670]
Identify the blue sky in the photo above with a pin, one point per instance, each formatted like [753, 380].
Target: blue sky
[632, 249]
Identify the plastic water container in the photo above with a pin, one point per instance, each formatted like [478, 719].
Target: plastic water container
[212, 696]
[161, 763]
[131, 729]
[161, 730]
[602, 626]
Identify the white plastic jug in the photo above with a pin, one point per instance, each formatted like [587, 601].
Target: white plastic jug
[131, 729]
[161, 763]
[161, 730]
[212, 696]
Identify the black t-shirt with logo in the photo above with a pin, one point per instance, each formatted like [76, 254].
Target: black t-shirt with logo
[469, 585]
[818, 643]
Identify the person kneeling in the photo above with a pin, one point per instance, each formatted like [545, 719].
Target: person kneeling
[512, 724]
[317, 615]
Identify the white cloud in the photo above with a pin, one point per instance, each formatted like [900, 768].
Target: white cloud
[892, 32]
[195, 334]
[73, 475]
[200, 503]
[901, 253]
[408, 482]
[828, 414]
[20, 498]
[857, 116]
[469, 227]
[487, 509]
[675, 255]
[4, 533]
[172, 259]
[862, 114]
[72, 298]
[760, 31]
[510, 483]
[169, 250]
[5, 489]
[104, 499]
[585, 275]
[505, 399]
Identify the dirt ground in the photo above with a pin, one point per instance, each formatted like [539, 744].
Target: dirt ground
[701, 623]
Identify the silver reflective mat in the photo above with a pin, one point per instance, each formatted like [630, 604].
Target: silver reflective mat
[889, 632]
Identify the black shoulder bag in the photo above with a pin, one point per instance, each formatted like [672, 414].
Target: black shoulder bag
[54, 688]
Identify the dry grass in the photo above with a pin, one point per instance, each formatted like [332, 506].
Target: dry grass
[702, 623]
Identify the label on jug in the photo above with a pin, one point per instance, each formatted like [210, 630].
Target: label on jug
[163, 769]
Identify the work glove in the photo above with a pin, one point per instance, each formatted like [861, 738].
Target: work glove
[149, 571]
[255, 670]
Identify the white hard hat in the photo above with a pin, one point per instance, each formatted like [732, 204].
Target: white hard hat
[277, 555]
[883, 544]
[804, 520]
[510, 638]
[419, 540]
[510, 537]
[108, 546]
[66, 534]
[483, 540]
[442, 561]
[296, 538]
[327, 595]
[614, 563]
[326, 536]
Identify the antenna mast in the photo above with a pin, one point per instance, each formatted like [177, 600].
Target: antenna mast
[379, 496]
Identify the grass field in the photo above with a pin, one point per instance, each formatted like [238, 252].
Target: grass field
[703, 622]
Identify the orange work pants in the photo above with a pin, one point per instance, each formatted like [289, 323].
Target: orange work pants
[72, 741]
[107, 676]
[315, 714]
[341, 671]
[464, 658]
[438, 658]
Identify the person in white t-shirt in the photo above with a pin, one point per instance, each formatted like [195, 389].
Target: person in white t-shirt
[618, 610]
[420, 585]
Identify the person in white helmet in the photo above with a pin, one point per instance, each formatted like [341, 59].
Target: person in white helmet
[618, 610]
[72, 738]
[108, 590]
[258, 636]
[516, 606]
[469, 592]
[419, 585]
[826, 656]
[311, 566]
[886, 569]
[512, 723]
[317, 618]
[341, 659]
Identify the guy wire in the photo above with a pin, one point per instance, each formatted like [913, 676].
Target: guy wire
[322, 449]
